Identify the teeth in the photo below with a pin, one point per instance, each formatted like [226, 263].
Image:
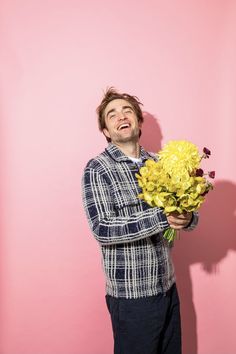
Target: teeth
[123, 126]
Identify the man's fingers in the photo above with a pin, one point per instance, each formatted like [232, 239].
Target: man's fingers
[180, 216]
[178, 221]
[176, 227]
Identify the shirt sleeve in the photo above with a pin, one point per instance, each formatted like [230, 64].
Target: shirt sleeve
[107, 227]
[193, 222]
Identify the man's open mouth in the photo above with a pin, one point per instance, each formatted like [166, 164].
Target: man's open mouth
[124, 126]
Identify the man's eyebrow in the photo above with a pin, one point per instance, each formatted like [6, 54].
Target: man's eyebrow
[111, 110]
[123, 107]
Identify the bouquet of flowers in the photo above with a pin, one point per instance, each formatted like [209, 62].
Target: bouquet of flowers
[175, 182]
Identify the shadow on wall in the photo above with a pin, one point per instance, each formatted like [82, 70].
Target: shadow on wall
[207, 245]
[151, 133]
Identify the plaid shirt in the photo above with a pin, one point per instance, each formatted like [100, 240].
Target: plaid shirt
[136, 257]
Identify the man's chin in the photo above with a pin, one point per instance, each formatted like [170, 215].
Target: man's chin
[128, 139]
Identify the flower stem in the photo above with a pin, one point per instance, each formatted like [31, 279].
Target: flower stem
[170, 234]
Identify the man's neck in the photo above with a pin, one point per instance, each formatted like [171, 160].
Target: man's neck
[131, 149]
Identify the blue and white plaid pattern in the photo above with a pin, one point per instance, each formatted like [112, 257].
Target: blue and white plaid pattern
[136, 257]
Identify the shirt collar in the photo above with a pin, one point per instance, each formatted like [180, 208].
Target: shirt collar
[119, 156]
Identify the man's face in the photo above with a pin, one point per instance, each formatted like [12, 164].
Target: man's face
[121, 122]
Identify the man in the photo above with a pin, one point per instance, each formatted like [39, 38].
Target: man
[141, 294]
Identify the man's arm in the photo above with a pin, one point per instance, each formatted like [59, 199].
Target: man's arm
[107, 227]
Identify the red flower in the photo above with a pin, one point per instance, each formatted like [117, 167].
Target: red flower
[206, 152]
[211, 174]
[199, 172]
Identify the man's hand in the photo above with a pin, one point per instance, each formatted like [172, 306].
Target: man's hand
[179, 221]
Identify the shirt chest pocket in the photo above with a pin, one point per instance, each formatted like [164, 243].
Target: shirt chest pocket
[125, 197]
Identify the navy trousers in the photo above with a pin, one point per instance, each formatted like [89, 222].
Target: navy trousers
[149, 325]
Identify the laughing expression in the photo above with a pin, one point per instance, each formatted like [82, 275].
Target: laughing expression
[121, 122]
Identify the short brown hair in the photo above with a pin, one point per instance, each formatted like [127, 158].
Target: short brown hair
[110, 95]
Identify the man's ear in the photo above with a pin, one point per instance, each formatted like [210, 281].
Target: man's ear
[106, 133]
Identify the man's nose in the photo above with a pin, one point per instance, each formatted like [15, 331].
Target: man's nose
[121, 116]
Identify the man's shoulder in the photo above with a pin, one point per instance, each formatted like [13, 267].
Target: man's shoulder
[102, 160]
[153, 155]
[149, 154]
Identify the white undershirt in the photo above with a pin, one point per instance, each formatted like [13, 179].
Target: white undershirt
[135, 159]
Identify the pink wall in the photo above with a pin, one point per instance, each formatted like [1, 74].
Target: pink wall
[56, 58]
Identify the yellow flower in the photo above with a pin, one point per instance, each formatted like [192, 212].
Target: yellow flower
[174, 183]
[179, 155]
